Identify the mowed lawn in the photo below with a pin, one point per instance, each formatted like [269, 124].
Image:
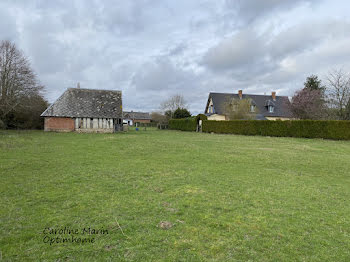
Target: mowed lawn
[229, 198]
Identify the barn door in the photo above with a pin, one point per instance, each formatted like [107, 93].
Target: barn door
[118, 125]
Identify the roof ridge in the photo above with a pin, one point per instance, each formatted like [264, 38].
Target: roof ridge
[245, 94]
[135, 112]
[89, 89]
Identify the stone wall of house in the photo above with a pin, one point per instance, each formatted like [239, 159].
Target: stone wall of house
[217, 117]
[94, 125]
[59, 124]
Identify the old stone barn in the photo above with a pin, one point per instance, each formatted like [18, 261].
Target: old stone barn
[85, 110]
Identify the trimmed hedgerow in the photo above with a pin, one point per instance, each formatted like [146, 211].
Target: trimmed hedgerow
[188, 124]
[338, 130]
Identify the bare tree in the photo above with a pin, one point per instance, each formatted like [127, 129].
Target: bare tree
[159, 118]
[17, 79]
[338, 90]
[240, 109]
[308, 103]
[347, 113]
[173, 103]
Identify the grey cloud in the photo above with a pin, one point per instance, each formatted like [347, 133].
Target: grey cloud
[260, 53]
[128, 17]
[251, 10]
[293, 70]
[281, 61]
[45, 52]
[159, 79]
[177, 49]
[305, 37]
[8, 28]
[161, 75]
[244, 48]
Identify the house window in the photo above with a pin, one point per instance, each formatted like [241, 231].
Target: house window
[271, 109]
[252, 108]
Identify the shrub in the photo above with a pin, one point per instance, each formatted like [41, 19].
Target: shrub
[338, 130]
[183, 124]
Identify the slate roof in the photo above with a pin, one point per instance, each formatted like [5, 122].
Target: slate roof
[137, 115]
[94, 103]
[281, 104]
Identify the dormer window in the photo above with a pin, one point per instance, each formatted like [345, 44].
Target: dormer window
[271, 109]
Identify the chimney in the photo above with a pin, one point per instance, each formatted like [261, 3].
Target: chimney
[273, 94]
[78, 85]
[240, 94]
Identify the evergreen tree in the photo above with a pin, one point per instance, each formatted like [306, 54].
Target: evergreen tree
[313, 83]
[181, 113]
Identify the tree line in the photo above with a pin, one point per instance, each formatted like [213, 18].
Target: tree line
[21, 95]
[174, 107]
[317, 101]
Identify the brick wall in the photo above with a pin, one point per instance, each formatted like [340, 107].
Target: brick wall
[142, 121]
[59, 124]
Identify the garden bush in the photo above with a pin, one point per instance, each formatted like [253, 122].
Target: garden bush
[201, 117]
[338, 130]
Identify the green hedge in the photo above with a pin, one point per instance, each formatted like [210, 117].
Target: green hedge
[187, 124]
[338, 130]
[201, 117]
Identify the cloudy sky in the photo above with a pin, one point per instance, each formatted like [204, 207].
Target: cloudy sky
[152, 49]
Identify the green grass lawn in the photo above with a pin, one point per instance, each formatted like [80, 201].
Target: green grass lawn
[229, 198]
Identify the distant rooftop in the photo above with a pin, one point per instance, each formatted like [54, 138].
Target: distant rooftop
[136, 115]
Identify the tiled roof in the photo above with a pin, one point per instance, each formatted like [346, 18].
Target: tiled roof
[137, 115]
[94, 103]
[281, 104]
